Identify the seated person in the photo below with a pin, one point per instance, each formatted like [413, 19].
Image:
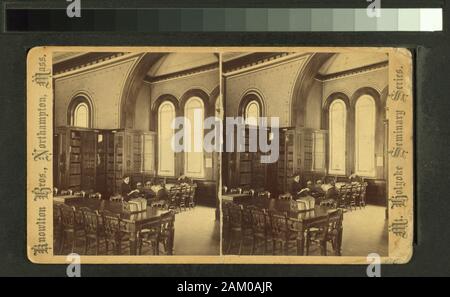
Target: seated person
[125, 189]
[139, 190]
[296, 188]
[318, 191]
[183, 179]
[148, 190]
[354, 178]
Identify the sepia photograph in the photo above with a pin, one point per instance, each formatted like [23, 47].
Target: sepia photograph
[119, 187]
[220, 155]
[325, 190]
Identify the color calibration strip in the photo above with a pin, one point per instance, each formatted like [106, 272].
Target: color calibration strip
[225, 20]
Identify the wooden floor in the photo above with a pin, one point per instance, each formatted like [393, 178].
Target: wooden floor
[365, 231]
[197, 232]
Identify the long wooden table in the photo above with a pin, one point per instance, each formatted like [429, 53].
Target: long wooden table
[134, 221]
[303, 217]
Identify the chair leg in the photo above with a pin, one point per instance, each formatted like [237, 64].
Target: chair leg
[229, 243]
[254, 245]
[86, 245]
[73, 242]
[240, 244]
[61, 248]
[308, 241]
[139, 247]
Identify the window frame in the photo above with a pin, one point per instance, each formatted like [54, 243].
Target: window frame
[330, 137]
[201, 174]
[372, 173]
[168, 173]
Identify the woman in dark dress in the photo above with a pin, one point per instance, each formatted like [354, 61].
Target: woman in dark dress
[125, 188]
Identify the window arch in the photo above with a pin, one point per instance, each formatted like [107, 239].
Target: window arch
[194, 112]
[337, 129]
[80, 112]
[166, 154]
[365, 117]
[252, 112]
[81, 115]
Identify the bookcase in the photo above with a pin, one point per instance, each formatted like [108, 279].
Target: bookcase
[303, 151]
[97, 159]
[75, 158]
[248, 171]
[130, 152]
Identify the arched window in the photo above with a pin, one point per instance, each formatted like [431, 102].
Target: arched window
[252, 113]
[337, 130]
[166, 155]
[194, 116]
[81, 115]
[365, 115]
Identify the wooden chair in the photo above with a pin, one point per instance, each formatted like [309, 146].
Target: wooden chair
[166, 234]
[261, 228]
[184, 197]
[116, 198]
[191, 197]
[280, 232]
[57, 227]
[174, 197]
[249, 192]
[97, 196]
[149, 236]
[286, 197]
[236, 191]
[92, 229]
[335, 230]
[114, 232]
[354, 198]
[362, 194]
[71, 227]
[238, 232]
[264, 195]
[316, 232]
[344, 199]
[225, 224]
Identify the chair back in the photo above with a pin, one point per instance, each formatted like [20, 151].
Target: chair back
[112, 224]
[56, 214]
[320, 226]
[90, 219]
[192, 190]
[167, 222]
[226, 212]
[286, 196]
[259, 220]
[95, 196]
[335, 220]
[236, 191]
[264, 194]
[362, 192]
[116, 198]
[235, 213]
[67, 216]
[249, 192]
[278, 224]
